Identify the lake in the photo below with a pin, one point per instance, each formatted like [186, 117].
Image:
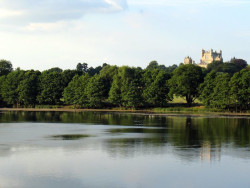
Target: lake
[104, 149]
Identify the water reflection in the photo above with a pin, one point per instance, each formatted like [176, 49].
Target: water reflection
[70, 136]
[93, 149]
[125, 134]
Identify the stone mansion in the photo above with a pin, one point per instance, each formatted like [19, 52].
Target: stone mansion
[207, 57]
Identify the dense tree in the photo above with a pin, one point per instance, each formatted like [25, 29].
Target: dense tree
[55, 69]
[67, 76]
[96, 91]
[82, 67]
[28, 88]
[126, 89]
[207, 88]
[51, 86]
[221, 93]
[215, 66]
[155, 92]
[2, 79]
[69, 93]
[10, 87]
[115, 96]
[171, 68]
[235, 65]
[76, 91]
[239, 62]
[185, 82]
[107, 74]
[152, 65]
[92, 71]
[5, 67]
[240, 89]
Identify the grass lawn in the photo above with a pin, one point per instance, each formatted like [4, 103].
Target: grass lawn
[182, 100]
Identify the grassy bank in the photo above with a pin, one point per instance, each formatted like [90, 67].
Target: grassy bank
[162, 111]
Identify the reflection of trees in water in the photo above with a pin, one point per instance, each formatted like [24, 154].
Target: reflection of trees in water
[130, 147]
[5, 151]
[191, 137]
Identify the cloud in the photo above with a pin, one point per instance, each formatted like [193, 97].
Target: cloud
[188, 2]
[31, 11]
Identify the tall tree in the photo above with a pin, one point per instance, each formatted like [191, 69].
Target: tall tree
[96, 92]
[76, 91]
[155, 92]
[240, 89]
[231, 67]
[10, 87]
[221, 94]
[107, 74]
[239, 62]
[126, 89]
[82, 67]
[5, 67]
[51, 87]
[115, 96]
[207, 88]
[55, 69]
[2, 80]
[28, 88]
[185, 82]
[67, 76]
[152, 65]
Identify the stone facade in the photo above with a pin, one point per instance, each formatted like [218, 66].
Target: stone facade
[208, 57]
[188, 60]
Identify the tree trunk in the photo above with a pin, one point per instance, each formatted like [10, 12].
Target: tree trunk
[189, 100]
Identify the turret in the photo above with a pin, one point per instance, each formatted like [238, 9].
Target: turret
[202, 52]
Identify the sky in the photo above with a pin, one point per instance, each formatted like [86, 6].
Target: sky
[43, 34]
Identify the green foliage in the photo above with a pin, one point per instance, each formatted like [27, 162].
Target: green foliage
[5, 67]
[115, 91]
[2, 80]
[185, 82]
[221, 94]
[96, 92]
[207, 87]
[106, 75]
[156, 88]
[51, 86]
[82, 67]
[240, 89]
[67, 76]
[9, 89]
[239, 62]
[154, 65]
[76, 91]
[92, 71]
[215, 66]
[235, 65]
[126, 89]
[28, 88]
[55, 69]
[171, 68]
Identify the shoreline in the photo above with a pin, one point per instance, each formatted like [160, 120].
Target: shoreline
[146, 112]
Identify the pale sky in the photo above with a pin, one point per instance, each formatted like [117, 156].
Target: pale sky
[41, 34]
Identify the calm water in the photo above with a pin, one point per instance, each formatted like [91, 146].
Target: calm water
[93, 149]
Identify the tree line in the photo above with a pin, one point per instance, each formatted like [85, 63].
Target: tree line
[221, 86]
